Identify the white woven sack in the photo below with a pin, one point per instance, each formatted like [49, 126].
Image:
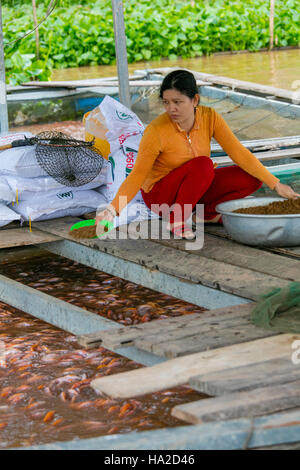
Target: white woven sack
[19, 160]
[52, 205]
[120, 121]
[25, 188]
[7, 215]
[6, 194]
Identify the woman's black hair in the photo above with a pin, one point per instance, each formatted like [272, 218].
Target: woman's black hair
[180, 80]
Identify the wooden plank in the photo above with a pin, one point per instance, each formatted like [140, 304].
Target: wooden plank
[203, 339]
[257, 402]
[267, 373]
[220, 231]
[210, 273]
[179, 371]
[22, 236]
[98, 83]
[263, 156]
[125, 337]
[228, 251]
[287, 446]
[264, 144]
[13, 224]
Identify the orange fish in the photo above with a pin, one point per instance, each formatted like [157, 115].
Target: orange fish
[113, 430]
[57, 421]
[112, 409]
[35, 378]
[22, 387]
[49, 416]
[24, 367]
[124, 408]
[6, 391]
[82, 404]
[16, 397]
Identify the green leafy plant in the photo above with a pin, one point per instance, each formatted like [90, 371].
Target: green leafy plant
[78, 34]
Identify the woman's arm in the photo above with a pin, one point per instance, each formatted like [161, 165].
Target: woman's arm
[246, 160]
[149, 149]
[239, 154]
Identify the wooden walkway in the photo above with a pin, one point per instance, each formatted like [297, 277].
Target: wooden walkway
[246, 372]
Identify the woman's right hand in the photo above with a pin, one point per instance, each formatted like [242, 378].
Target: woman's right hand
[109, 213]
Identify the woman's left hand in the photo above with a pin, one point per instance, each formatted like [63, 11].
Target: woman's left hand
[284, 190]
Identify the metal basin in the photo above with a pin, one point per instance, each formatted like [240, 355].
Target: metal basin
[259, 230]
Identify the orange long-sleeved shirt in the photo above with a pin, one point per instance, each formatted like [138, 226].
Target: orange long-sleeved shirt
[165, 146]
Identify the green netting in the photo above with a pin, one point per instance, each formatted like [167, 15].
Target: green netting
[279, 309]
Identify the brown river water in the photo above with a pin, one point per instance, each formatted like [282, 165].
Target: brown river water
[45, 375]
[279, 68]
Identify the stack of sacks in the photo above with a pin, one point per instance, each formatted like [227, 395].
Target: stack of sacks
[6, 197]
[37, 196]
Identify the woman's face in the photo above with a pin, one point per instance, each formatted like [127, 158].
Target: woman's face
[179, 107]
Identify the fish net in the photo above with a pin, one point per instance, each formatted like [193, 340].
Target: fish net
[279, 309]
[69, 161]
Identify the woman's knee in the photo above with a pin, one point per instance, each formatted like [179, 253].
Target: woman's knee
[239, 179]
[202, 166]
[251, 183]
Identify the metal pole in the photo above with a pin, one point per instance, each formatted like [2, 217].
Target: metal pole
[3, 102]
[121, 52]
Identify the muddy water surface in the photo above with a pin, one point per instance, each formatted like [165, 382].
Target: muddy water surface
[278, 68]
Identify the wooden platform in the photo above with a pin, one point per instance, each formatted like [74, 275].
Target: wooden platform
[245, 371]
[15, 237]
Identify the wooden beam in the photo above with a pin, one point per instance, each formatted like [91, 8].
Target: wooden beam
[234, 280]
[97, 83]
[265, 144]
[228, 251]
[125, 337]
[179, 371]
[239, 379]
[203, 338]
[263, 156]
[22, 236]
[271, 23]
[257, 402]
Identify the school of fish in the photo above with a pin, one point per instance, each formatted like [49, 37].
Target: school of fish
[45, 375]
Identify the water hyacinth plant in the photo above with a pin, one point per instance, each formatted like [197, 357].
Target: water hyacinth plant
[81, 33]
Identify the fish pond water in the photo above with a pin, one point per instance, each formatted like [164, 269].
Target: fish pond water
[45, 375]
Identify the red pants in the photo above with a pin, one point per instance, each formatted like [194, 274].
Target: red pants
[197, 182]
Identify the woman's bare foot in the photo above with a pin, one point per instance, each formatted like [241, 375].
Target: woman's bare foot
[181, 230]
[215, 220]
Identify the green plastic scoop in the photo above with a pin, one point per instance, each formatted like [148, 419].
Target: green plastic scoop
[86, 223]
